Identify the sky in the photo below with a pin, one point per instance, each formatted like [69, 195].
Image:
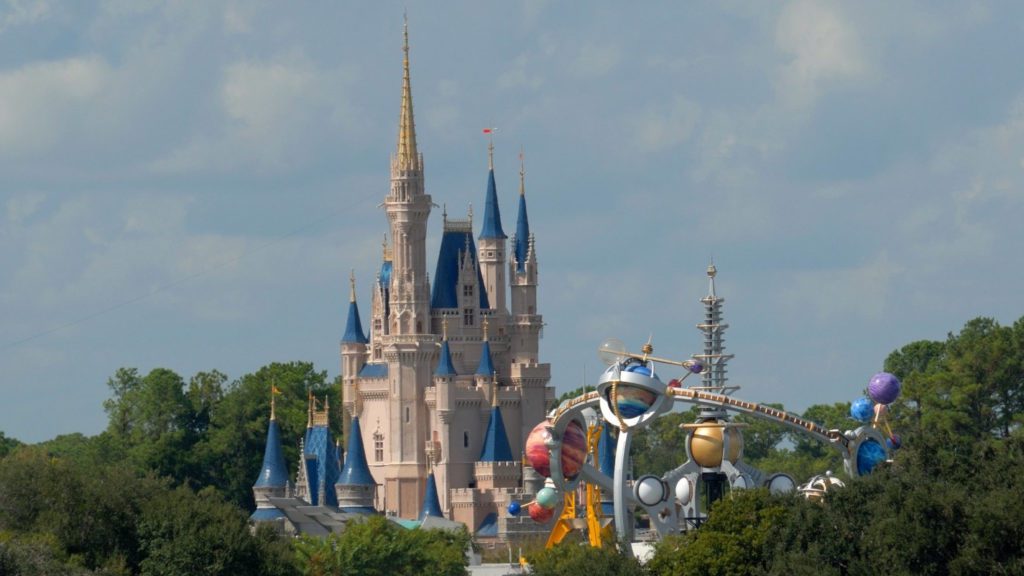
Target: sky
[188, 184]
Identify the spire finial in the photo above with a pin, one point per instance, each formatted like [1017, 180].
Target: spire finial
[490, 150]
[522, 173]
[352, 286]
[408, 156]
[273, 401]
[486, 324]
[444, 328]
[384, 247]
[309, 410]
[494, 390]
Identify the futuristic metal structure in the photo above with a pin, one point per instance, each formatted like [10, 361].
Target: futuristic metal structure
[630, 394]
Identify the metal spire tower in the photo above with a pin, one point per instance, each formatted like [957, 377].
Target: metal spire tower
[714, 356]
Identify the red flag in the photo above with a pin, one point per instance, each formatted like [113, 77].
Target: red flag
[488, 130]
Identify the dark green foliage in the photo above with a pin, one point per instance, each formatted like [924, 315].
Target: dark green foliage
[60, 516]
[378, 547]
[661, 446]
[7, 445]
[577, 559]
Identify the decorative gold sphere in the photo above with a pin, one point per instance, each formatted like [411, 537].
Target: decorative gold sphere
[706, 444]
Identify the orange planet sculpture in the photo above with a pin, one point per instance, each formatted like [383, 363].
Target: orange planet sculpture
[574, 449]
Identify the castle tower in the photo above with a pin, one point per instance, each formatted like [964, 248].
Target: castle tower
[525, 322]
[408, 207]
[409, 348]
[356, 489]
[492, 244]
[273, 479]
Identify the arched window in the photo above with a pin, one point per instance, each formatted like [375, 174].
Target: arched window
[378, 446]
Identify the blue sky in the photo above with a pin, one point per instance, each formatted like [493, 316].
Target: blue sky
[187, 185]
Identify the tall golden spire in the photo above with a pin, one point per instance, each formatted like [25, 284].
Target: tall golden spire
[407, 157]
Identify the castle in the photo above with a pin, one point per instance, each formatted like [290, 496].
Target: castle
[439, 398]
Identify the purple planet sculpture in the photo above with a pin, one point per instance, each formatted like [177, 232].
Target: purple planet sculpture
[884, 388]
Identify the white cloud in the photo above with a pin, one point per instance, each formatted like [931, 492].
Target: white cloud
[596, 60]
[23, 206]
[828, 295]
[521, 74]
[821, 47]
[666, 127]
[19, 12]
[41, 102]
[274, 112]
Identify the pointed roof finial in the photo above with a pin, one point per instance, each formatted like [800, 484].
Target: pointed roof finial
[490, 153]
[486, 324]
[444, 328]
[273, 401]
[522, 172]
[309, 409]
[407, 156]
[352, 286]
[494, 390]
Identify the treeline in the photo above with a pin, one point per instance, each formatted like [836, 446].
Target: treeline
[166, 488]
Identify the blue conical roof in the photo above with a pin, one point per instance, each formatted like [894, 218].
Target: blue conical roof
[355, 472]
[354, 327]
[486, 367]
[522, 235]
[445, 367]
[431, 503]
[274, 472]
[496, 447]
[445, 291]
[492, 214]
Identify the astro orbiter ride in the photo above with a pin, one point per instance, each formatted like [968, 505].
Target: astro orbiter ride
[630, 395]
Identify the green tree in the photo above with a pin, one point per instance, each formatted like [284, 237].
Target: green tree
[573, 559]
[7, 445]
[661, 446]
[737, 539]
[230, 454]
[375, 546]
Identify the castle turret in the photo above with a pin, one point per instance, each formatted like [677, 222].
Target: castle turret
[356, 488]
[353, 354]
[492, 243]
[496, 467]
[431, 504]
[319, 458]
[273, 479]
[526, 323]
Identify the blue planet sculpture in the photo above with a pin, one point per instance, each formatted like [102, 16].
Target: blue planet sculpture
[869, 455]
[862, 409]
